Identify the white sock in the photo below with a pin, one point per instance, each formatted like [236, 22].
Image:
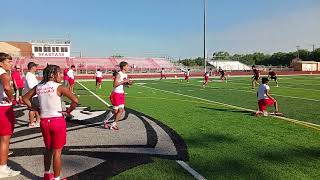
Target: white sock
[2, 167]
[109, 116]
[47, 172]
[57, 178]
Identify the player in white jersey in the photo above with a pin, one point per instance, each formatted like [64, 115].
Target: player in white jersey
[162, 75]
[7, 118]
[53, 124]
[98, 76]
[30, 82]
[117, 96]
[265, 99]
[187, 75]
[71, 77]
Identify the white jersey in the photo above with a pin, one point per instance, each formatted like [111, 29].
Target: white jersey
[119, 89]
[31, 81]
[70, 74]
[50, 102]
[262, 91]
[3, 95]
[99, 74]
[188, 73]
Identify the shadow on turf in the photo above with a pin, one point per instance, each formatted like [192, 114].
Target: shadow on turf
[290, 154]
[228, 110]
[114, 162]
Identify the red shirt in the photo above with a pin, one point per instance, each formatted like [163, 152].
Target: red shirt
[65, 74]
[17, 79]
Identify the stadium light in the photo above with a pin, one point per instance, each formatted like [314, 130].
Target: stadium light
[204, 34]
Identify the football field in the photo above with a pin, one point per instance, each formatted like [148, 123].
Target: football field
[220, 137]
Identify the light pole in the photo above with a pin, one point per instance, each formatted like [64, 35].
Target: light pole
[298, 51]
[204, 34]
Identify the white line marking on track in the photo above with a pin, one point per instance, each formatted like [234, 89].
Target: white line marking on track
[181, 163]
[311, 125]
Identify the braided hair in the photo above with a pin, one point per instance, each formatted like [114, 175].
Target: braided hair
[48, 72]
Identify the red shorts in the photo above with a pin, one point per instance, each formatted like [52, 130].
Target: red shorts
[54, 132]
[71, 81]
[206, 78]
[186, 78]
[263, 103]
[98, 79]
[117, 99]
[7, 120]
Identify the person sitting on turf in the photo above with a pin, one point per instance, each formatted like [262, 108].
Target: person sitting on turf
[273, 75]
[265, 99]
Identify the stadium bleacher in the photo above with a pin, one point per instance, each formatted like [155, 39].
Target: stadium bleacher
[105, 64]
[230, 65]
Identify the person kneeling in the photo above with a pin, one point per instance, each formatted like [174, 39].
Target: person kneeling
[265, 99]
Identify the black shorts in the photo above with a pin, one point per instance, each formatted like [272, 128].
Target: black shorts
[274, 77]
[256, 78]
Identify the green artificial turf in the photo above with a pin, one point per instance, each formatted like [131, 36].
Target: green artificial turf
[224, 142]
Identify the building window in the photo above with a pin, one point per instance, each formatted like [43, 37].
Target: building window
[57, 49]
[36, 49]
[64, 49]
[40, 49]
[46, 49]
[53, 49]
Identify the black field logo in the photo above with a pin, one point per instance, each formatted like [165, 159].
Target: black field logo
[93, 152]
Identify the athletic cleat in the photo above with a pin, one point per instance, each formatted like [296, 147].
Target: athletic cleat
[49, 176]
[8, 172]
[10, 153]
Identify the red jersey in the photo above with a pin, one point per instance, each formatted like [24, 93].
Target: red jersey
[272, 73]
[17, 79]
[65, 74]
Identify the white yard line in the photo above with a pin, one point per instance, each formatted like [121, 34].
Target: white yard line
[181, 163]
[311, 125]
[232, 89]
[98, 97]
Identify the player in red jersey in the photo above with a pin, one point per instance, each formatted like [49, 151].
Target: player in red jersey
[18, 83]
[206, 79]
[256, 76]
[273, 75]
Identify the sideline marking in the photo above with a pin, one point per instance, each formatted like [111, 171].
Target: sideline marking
[306, 124]
[181, 163]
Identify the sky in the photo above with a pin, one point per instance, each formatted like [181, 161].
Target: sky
[153, 28]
